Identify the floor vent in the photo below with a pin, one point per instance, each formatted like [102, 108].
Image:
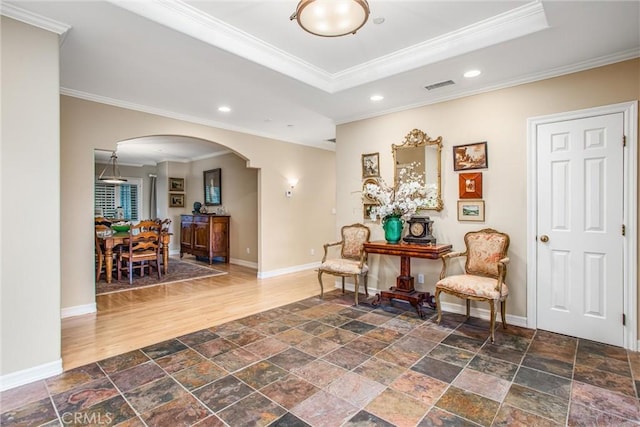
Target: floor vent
[439, 85]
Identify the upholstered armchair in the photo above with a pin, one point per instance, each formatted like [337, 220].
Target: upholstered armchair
[352, 261]
[485, 269]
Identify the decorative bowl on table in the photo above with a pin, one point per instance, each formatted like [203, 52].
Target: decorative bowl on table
[120, 227]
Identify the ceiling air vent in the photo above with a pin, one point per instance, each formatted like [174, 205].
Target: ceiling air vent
[439, 85]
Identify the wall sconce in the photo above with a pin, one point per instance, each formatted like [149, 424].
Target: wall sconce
[292, 184]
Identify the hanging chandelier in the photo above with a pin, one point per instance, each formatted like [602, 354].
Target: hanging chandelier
[114, 177]
[331, 18]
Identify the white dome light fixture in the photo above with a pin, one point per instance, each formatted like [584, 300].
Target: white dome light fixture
[331, 18]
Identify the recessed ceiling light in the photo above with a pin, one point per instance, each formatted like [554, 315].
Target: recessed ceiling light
[472, 73]
[376, 98]
[224, 109]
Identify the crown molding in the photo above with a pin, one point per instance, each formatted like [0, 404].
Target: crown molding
[188, 20]
[19, 14]
[548, 74]
[510, 25]
[186, 118]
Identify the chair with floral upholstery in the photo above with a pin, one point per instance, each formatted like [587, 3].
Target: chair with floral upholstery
[484, 273]
[352, 261]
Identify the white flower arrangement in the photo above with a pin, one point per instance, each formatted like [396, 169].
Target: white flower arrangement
[409, 196]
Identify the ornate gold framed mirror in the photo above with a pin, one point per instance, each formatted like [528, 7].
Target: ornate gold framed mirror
[424, 153]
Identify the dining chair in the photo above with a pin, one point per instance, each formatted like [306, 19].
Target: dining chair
[143, 250]
[100, 220]
[164, 230]
[164, 225]
[352, 260]
[485, 270]
[99, 250]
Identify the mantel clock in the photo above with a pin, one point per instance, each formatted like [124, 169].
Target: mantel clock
[420, 230]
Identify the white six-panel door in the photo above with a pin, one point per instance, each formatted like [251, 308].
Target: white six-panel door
[580, 287]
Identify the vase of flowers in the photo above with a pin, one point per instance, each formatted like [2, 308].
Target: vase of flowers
[395, 204]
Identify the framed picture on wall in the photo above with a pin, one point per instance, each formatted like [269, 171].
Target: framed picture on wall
[470, 156]
[470, 185]
[370, 165]
[213, 187]
[176, 200]
[365, 195]
[471, 210]
[366, 210]
[176, 184]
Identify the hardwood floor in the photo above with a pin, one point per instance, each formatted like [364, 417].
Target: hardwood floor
[129, 320]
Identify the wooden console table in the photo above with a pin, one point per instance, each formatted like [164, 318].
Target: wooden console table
[404, 289]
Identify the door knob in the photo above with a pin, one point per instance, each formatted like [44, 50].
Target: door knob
[544, 238]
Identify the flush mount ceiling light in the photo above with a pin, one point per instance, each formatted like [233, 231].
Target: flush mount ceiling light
[331, 18]
[472, 73]
[115, 177]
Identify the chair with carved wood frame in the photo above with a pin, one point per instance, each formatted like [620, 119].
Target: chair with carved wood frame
[485, 270]
[143, 247]
[165, 225]
[353, 258]
[99, 250]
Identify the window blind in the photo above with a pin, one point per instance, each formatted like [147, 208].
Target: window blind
[111, 196]
[105, 198]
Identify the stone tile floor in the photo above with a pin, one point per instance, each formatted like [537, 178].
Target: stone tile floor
[327, 363]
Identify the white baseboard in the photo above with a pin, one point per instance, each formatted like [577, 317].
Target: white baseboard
[243, 263]
[280, 272]
[78, 310]
[482, 313]
[30, 375]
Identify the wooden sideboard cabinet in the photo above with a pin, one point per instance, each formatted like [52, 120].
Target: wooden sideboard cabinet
[205, 236]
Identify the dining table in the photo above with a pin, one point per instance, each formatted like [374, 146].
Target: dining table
[112, 240]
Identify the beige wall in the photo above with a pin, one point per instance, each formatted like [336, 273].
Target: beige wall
[239, 198]
[30, 203]
[287, 228]
[498, 117]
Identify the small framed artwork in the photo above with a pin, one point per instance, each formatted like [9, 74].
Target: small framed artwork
[470, 156]
[212, 187]
[366, 211]
[176, 184]
[471, 210]
[370, 165]
[176, 200]
[365, 196]
[470, 185]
